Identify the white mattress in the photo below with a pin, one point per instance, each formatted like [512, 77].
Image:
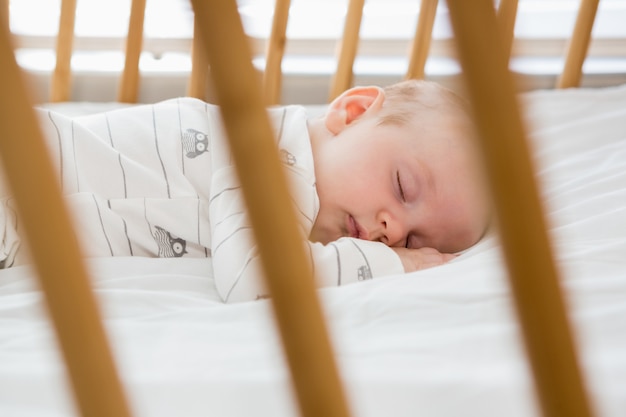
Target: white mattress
[439, 342]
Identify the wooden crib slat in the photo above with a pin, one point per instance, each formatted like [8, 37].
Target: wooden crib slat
[507, 15]
[532, 273]
[4, 13]
[61, 83]
[272, 77]
[129, 84]
[62, 275]
[199, 66]
[578, 45]
[421, 41]
[288, 277]
[347, 49]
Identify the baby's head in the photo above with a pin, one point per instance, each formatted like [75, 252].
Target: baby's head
[400, 166]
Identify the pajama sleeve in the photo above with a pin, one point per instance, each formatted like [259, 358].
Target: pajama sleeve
[237, 265]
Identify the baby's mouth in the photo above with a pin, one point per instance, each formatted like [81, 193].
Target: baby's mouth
[354, 229]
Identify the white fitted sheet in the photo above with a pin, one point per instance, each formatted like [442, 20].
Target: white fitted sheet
[439, 342]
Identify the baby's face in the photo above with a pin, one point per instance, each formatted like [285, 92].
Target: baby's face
[406, 186]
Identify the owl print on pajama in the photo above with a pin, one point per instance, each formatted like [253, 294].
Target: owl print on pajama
[195, 143]
[169, 245]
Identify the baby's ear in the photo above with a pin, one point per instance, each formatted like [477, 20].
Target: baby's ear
[353, 104]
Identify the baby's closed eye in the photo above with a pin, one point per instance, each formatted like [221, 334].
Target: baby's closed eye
[400, 187]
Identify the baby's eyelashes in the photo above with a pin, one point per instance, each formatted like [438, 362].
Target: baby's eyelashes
[407, 186]
[400, 188]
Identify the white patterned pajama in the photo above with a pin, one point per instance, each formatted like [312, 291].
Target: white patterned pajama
[159, 181]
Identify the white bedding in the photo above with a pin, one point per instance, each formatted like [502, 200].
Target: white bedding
[440, 342]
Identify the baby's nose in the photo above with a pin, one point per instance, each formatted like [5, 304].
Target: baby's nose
[392, 230]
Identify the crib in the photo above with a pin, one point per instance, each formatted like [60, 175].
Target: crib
[316, 381]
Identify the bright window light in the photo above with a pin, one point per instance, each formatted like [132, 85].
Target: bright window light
[542, 30]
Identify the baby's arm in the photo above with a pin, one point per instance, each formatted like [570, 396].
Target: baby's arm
[236, 263]
[238, 272]
[350, 260]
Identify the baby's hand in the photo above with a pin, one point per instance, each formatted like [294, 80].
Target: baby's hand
[422, 258]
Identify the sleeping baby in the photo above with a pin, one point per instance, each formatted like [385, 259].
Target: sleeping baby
[386, 181]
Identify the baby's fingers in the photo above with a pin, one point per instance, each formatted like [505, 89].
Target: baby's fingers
[423, 258]
[428, 258]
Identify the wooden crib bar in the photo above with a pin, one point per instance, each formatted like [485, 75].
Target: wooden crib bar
[62, 274]
[129, 84]
[288, 276]
[578, 45]
[532, 274]
[4, 13]
[507, 15]
[347, 49]
[272, 77]
[61, 84]
[197, 85]
[421, 41]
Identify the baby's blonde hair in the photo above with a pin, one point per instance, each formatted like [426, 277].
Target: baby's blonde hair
[409, 100]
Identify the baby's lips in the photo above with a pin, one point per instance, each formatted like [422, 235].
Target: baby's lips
[356, 230]
[353, 231]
